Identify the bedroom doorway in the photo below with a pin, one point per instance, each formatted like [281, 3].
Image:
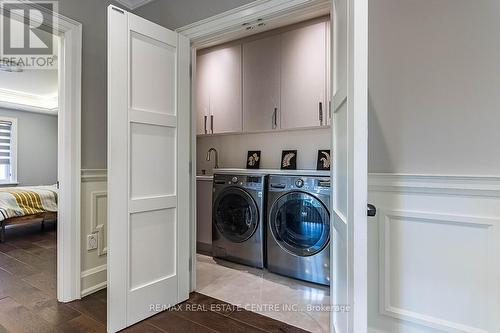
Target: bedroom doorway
[40, 106]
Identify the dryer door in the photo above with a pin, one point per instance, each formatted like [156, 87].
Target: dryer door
[300, 223]
[236, 215]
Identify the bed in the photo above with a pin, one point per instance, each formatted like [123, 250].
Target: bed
[19, 205]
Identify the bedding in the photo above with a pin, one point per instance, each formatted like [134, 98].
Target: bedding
[24, 201]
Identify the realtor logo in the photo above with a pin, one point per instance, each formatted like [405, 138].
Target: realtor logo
[27, 33]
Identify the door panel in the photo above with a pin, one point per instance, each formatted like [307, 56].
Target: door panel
[349, 172]
[261, 84]
[162, 141]
[149, 116]
[303, 79]
[152, 75]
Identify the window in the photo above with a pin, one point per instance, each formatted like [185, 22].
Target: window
[8, 150]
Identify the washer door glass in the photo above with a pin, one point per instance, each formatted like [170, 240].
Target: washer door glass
[300, 223]
[236, 214]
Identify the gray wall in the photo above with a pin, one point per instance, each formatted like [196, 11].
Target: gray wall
[36, 147]
[92, 15]
[434, 75]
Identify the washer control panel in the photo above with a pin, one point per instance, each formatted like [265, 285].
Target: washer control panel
[281, 183]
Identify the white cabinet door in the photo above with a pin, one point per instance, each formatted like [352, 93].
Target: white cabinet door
[202, 100]
[148, 168]
[220, 89]
[261, 84]
[303, 76]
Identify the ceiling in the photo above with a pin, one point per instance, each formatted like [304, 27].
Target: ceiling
[133, 4]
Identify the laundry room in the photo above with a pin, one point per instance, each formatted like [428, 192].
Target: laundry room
[263, 159]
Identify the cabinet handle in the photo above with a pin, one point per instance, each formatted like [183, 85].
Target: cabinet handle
[212, 123]
[330, 110]
[206, 118]
[275, 118]
[320, 113]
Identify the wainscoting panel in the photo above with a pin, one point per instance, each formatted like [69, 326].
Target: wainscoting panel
[94, 221]
[434, 254]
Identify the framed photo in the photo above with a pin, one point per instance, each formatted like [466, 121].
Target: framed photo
[289, 160]
[324, 161]
[253, 159]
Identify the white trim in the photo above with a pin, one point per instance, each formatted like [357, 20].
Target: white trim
[94, 175]
[132, 6]
[93, 289]
[98, 228]
[28, 108]
[228, 25]
[385, 307]
[88, 274]
[435, 184]
[69, 152]
[20, 100]
[13, 150]
[93, 270]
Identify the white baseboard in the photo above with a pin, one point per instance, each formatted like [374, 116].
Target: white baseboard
[93, 279]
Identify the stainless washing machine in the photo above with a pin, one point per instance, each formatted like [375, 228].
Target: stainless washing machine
[298, 227]
[238, 218]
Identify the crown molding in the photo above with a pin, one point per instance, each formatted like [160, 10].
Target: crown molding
[132, 5]
[232, 24]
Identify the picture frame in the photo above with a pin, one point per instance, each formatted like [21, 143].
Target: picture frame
[289, 160]
[253, 159]
[324, 161]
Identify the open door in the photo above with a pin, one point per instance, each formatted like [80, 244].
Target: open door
[349, 172]
[148, 168]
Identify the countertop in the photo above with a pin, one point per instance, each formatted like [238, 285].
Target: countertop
[272, 172]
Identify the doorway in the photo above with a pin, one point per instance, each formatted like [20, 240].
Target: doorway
[263, 234]
[67, 36]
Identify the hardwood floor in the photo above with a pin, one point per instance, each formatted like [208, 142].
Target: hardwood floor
[28, 300]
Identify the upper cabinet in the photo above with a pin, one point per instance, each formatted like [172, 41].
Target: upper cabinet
[218, 90]
[278, 80]
[261, 84]
[303, 77]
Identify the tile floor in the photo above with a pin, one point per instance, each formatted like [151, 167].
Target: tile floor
[268, 294]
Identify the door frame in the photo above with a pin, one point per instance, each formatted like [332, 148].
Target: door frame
[223, 28]
[226, 27]
[69, 151]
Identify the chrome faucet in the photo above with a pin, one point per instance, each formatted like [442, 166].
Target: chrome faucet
[216, 157]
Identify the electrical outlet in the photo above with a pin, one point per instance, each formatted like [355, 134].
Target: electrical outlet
[91, 242]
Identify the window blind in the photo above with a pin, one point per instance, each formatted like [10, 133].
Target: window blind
[5, 142]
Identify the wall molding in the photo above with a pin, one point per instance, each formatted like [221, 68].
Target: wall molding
[94, 175]
[386, 218]
[487, 186]
[98, 228]
[218, 28]
[91, 274]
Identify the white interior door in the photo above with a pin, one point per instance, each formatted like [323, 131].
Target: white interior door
[148, 168]
[350, 134]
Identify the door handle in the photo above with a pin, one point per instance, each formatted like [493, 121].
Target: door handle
[206, 118]
[320, 113]
[212, 123]
[280, 186]
[371, 210]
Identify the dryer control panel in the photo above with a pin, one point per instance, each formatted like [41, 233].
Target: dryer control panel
[281, 183]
